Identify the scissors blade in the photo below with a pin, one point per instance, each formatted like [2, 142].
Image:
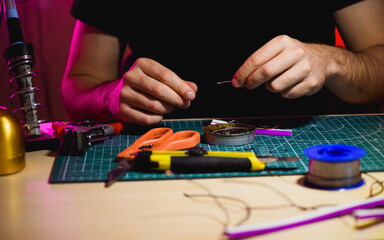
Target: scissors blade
[268, 159]
[118, 171]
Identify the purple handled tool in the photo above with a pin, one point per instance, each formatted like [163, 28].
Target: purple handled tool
[238, 232]
[275, 132]
[369, 213]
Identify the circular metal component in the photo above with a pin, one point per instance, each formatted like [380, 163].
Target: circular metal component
[229, 134]
[334, 166]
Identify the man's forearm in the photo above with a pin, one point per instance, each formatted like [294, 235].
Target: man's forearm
[357, 77]
[91, 103]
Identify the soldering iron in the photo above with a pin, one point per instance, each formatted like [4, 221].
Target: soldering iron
[20, 59]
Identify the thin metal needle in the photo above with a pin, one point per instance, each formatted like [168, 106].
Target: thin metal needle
[218, 83]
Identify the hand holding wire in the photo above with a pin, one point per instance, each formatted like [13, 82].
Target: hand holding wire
[285, 65]
[149, 90]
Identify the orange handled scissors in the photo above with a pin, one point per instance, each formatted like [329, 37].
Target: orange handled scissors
[162, 139]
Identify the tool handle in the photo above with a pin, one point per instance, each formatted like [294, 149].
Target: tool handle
[210, 164]
[237, 232]
[117, 127]
[199, 164]
[179, 140]
[58, 128]
[152, 137]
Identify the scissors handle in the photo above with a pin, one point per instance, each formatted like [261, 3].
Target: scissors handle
[153, 137]
[179, 140]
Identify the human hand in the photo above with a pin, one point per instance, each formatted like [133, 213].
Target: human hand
[285, 65]
[150, 90]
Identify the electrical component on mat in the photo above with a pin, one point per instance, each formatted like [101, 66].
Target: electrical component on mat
[76, 138]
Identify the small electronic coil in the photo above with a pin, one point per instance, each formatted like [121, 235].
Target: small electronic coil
[20, 70]
[229, 134]
[334, 167]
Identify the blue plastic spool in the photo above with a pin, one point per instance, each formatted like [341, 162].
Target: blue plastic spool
[334, 167]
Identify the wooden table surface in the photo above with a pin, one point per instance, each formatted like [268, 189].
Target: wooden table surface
[31, 208]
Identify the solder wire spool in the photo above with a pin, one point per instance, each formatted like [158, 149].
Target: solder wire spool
[229, 134]
[334, 167]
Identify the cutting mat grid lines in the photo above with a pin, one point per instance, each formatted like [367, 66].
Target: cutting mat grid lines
[366, 131]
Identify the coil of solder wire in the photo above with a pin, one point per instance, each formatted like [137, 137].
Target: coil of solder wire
[334, 167]
[227, 134]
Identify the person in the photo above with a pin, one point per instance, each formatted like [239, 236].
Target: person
[142, 62]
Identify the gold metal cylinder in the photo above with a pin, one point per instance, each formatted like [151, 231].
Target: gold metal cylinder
[12, 150]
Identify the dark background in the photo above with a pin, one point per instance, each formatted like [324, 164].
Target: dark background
[48, 25]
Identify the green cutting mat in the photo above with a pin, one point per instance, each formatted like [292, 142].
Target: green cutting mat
[365, 131]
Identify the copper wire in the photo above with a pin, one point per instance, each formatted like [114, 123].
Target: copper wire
[218, 83]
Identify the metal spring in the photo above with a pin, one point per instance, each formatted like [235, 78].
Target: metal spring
[25, 90]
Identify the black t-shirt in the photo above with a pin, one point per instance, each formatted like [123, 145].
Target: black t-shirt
[206, 43]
